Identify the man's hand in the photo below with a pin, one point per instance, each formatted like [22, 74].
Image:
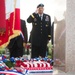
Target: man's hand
[36, 11]
[28, 45]
[24, 45]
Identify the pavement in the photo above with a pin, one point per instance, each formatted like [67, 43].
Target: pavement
[59, 72]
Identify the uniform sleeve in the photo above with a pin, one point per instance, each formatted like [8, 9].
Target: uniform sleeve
[24, 31]
[31, 18]
[49, 29]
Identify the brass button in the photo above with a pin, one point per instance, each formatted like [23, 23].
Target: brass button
[46, 25]
[35, 23]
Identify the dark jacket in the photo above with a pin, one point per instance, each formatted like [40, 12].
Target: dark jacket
[41, 30]
[20, 42]
[24, 30]
[52, 33]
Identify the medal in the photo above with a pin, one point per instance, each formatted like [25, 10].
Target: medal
[47, 18]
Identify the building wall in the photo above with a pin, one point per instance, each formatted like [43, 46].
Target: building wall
[64, 36]
[70, 36]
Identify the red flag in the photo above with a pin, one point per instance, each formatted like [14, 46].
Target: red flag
[2, 17]
[12, 8]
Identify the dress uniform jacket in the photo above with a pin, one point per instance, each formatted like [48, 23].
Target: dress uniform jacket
[41, 29]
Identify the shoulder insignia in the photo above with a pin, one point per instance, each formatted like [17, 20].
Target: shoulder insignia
[32, 16]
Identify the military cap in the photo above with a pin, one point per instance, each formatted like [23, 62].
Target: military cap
[40, 5]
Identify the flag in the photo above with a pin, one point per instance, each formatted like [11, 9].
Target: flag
[10, 73]
[2, 19]
[11, 21]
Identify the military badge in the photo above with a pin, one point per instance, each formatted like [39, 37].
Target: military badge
[47, 18]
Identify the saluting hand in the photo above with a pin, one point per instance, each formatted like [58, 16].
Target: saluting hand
[36, 11]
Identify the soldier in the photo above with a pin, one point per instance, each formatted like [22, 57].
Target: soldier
[17, 44]
[41, 31]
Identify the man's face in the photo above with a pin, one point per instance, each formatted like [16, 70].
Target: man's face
[40, 10]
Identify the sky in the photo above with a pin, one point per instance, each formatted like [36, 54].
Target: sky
[54, 8]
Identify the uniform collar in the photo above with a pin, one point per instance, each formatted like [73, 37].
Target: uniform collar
[40, 15]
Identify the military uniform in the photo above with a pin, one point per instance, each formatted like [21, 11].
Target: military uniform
[16, 44]
[40, 34]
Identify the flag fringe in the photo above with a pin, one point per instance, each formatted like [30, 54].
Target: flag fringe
[16, 33]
